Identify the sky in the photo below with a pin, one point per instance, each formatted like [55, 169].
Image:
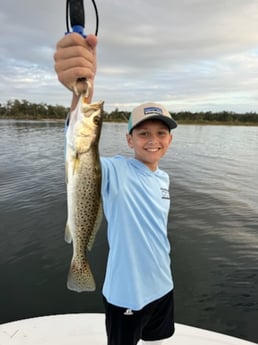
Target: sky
[189, 55]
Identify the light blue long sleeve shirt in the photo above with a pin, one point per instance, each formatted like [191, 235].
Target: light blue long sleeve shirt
[136, 204]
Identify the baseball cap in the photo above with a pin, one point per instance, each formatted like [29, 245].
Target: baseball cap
[147, 111]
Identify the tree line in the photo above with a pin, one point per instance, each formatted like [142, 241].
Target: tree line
[16, 109]
[197, 117]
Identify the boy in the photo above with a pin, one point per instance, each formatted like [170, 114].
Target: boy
[138, 286]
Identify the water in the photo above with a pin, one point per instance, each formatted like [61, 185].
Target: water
[213, 225]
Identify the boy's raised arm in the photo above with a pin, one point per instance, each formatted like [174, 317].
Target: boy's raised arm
[75, 58]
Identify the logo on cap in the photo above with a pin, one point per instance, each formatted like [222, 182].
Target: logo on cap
[152, 111]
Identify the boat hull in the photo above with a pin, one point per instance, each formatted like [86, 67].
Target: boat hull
[88, 328]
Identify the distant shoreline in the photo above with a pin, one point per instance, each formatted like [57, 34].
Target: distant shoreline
[180, 122]
[25, 110]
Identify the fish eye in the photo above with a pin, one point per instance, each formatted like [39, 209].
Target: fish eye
[96, 120]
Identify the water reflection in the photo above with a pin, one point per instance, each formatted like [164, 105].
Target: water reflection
[212, 224]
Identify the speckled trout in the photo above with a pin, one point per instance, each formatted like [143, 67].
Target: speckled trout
[83, 178]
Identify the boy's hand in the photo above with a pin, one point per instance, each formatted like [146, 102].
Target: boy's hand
[75, 58]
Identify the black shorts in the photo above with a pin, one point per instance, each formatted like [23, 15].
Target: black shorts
[154, 322]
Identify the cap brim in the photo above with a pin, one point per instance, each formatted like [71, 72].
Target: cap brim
[171, 123]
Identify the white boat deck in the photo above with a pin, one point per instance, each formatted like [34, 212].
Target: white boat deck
[88, 329]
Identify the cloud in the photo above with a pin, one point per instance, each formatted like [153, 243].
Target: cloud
[188, 54]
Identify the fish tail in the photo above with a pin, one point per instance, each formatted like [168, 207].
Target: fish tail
[80, 277]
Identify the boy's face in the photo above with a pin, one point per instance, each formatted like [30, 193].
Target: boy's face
[150, 141]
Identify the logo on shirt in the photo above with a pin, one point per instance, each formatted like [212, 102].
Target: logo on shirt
[165, 193]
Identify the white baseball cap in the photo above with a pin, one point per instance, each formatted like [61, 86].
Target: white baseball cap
[149, 111]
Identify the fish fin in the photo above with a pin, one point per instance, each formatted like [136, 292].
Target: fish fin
[68, 236]
[66, 172]
[76, 163]
[96, 227]
[80, 277]
[75, 166]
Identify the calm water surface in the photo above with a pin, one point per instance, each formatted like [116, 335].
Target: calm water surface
[213, 225]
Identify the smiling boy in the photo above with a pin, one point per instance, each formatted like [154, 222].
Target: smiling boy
[138, 285]
[151, 124]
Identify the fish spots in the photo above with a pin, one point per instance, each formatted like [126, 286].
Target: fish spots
[83, 191]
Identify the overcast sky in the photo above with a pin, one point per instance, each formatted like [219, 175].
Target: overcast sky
[186, 54]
